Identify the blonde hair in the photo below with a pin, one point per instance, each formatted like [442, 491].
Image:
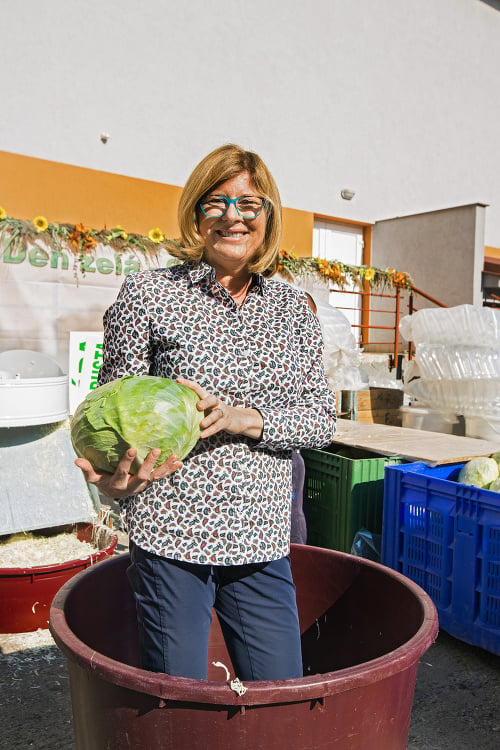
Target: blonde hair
[220, 165]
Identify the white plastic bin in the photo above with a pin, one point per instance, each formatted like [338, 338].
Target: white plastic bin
[33, 401]
[484, 428]
[422, 418]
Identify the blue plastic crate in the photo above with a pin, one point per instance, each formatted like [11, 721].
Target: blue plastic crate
[445, 536]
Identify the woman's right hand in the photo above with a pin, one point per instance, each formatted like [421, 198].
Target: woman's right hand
[122, 483]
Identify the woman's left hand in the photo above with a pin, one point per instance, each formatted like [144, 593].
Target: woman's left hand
[219, 416]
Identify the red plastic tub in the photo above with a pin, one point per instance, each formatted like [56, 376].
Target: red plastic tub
[364, 628]
[26, 593]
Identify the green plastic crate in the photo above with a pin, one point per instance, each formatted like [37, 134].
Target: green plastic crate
[343, 493]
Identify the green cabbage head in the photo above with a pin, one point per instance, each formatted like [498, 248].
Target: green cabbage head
[496, 457]
[495, 485]
[480, 471]
[142, 412]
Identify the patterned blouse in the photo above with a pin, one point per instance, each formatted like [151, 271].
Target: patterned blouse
[229, 504]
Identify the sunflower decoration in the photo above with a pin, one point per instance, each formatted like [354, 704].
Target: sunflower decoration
[368, 274]
[156, 235]
[3, 213]
[40, 223]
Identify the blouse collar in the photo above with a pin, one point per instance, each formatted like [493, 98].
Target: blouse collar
[202, 271]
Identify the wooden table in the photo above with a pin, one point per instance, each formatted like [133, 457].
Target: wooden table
[415, 445]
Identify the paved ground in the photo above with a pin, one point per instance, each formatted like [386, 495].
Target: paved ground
[457, 698]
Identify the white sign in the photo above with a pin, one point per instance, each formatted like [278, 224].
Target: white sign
[85, 360]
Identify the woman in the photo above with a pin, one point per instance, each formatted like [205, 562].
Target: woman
[213, 531]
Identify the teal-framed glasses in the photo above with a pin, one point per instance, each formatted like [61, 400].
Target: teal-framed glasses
[248, 206]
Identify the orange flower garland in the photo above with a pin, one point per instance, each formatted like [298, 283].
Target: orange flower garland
[341, 274]
[81, 238]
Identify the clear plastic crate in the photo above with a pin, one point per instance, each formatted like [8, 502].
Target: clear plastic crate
[467, 397]
[441, 362]
[463, 324]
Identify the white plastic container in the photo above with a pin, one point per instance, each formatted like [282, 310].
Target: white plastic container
[421, 418]
[486, 428]
[33, 401]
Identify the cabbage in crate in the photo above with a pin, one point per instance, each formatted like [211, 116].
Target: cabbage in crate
[480, 471]
[142, 412]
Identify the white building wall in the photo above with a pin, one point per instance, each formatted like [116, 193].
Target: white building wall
[396, 99]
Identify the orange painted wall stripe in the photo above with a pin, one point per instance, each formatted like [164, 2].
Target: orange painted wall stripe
[492, 252]
[297, 231]
[324, 217]
[32, 187]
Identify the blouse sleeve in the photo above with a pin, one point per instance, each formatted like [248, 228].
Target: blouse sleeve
[126, 349]
[310, 422]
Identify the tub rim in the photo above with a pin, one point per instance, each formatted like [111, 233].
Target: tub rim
[188, 690]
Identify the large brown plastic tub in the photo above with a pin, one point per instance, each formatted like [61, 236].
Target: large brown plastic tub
[364, 628]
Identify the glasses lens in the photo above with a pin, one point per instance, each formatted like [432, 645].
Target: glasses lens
[249, 206]
[214, 206]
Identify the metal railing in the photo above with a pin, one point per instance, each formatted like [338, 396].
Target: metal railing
[391, 309]
[412, 309]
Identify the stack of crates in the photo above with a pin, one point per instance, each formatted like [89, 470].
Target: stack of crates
[445, 536]
[343, 493]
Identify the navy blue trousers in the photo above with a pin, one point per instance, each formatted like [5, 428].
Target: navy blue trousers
[255, 604]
